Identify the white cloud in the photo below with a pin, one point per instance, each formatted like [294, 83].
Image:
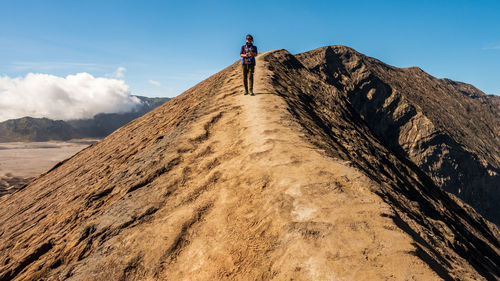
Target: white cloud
[119, 72]
[156, 83]
[72, 97]
[492, 47]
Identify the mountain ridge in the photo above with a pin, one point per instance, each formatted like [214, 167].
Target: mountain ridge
[290, 183]
[450, 129]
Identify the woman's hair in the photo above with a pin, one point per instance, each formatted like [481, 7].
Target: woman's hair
[251, 37]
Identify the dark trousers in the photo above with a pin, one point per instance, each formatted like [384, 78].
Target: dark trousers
[248, 74]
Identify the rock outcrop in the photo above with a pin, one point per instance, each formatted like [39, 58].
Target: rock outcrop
[451, 130]
[290, 184]
[10, 183]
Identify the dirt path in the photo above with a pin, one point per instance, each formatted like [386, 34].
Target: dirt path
[314, 216]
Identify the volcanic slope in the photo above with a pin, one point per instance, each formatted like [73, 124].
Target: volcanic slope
[451, 130]
[215, 185]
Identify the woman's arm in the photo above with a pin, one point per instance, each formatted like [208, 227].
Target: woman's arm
[249, 54]
[255, 53]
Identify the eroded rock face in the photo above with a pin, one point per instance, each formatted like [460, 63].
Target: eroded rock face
[451, 130]
[10, 183]
[214, 185]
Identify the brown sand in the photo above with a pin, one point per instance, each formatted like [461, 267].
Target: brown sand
[215, 185]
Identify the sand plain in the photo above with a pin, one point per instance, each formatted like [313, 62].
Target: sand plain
[22, 161]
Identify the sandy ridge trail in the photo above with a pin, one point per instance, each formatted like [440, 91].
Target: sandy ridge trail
[216, 185]
[305, 216]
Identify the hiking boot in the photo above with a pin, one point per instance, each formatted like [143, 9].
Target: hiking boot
[246, 92]
[251, 92]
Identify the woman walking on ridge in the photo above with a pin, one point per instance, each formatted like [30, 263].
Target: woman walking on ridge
[248, 54]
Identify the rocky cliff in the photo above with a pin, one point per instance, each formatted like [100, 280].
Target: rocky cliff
[451, 130]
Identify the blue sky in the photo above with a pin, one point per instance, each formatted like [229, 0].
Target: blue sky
[176, 44]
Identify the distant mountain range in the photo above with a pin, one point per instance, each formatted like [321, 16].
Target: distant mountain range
[44, 129]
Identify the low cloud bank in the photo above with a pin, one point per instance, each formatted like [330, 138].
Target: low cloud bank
[63, 98]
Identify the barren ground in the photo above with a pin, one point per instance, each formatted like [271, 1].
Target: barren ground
[21, 161]
[215, 185]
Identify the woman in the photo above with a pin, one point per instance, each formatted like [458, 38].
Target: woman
[248, 54]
